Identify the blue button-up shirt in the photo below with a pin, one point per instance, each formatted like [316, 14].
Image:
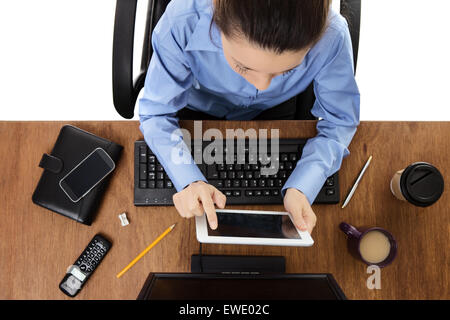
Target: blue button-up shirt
[188, 67]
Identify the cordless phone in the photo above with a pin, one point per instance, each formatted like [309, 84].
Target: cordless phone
[78, 274]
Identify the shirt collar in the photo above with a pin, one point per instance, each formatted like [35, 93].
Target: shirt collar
[201, 39]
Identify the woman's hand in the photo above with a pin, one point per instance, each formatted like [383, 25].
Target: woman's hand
[199, 198]
[296, 203]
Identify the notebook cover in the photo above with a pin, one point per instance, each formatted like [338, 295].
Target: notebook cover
[71, 147]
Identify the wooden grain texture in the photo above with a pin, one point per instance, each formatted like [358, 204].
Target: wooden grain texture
[36, 245]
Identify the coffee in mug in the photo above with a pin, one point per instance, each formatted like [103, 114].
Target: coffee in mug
[374, 247]
[421, 184]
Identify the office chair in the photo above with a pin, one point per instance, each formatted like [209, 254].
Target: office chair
[126, 89]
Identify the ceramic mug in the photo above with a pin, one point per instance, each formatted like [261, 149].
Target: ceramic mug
[373, 242]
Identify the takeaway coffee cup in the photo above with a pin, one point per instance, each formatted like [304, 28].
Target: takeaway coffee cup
[420, 184]
[374, 246]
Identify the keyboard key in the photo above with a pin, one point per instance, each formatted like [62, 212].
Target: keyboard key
[227, 183]
[236, 193]
[151, 176]
[160, 184]
[160, 176]
[169, 184]
[329, 192]
[142, 184]
[151, 184]
[284, 157]
[249, 193]
[216, 183]
[142, 171]
[258, 192]
[264, 159]
[236, 183]
[151, 167]
[151, 159]
[248, 175]
[211, 172]
[227, 193]
[293, 157]
[275, 192]
[266, 193]
[143, 154]
[330, 182]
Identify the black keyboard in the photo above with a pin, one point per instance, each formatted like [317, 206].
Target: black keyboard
[241, 183]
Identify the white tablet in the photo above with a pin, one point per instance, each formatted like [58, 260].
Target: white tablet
[252, 227]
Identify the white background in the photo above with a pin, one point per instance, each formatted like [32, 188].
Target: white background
[55, 59]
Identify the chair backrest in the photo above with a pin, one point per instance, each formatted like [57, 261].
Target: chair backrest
[351, 10]
[126, 89]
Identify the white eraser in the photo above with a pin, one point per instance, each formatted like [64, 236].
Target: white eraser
[123, 219]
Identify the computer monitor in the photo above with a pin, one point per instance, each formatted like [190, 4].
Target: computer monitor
[202, 286]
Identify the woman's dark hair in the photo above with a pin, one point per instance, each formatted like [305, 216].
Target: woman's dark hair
[276, 25]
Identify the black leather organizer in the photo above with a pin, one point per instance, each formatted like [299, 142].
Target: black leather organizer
[71, 147]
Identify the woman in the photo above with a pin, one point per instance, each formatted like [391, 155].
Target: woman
[238, 60]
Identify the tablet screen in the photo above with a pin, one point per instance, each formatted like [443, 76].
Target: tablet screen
[254, 226]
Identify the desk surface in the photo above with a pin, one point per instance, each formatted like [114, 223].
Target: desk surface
[36, 245]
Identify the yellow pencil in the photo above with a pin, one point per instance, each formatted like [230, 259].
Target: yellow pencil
[145, 251]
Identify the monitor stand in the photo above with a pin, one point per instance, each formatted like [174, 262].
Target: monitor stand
[237, 264]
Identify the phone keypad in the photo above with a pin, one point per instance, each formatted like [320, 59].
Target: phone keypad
[92, 255]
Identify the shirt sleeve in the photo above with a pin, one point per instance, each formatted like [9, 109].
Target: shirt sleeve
[338, 107]
[165, 92]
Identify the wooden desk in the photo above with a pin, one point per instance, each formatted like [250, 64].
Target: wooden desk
[36, 245]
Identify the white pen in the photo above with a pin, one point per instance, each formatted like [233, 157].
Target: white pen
[350, 195]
